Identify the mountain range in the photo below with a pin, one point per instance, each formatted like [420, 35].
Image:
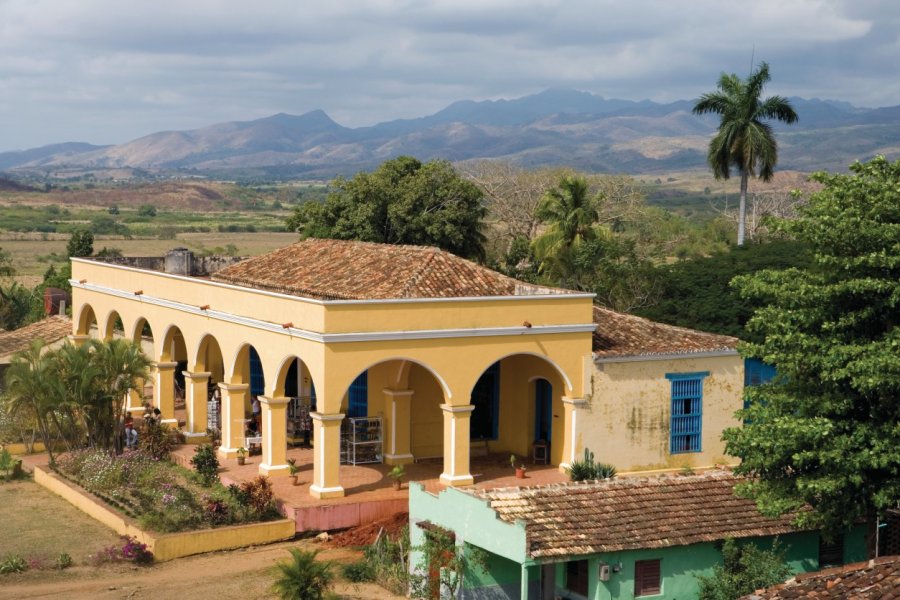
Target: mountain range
[554, 127]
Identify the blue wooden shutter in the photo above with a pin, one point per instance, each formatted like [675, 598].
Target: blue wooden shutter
[257, 380]
[358, 401]
[686, 426]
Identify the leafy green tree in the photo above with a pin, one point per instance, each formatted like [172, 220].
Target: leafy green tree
[746, 568]
[15, 304]
[695, 293]
[744, 140]
[824, 433]
[303, 577]
[147, 210]
[6, 268]
[402, 202]
[81, 243]
[570, 216]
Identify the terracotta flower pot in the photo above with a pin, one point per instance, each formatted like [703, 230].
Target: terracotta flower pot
[520, 472]
[295, 479]
[397, 484]
[242, 460]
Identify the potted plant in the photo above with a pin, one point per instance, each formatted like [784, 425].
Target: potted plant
[397, 474]
[242, 455]
[292, 469]
[520, 469]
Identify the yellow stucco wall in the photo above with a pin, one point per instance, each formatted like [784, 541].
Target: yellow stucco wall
[626, 423]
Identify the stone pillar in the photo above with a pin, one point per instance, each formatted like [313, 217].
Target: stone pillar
[274, 436]
[397, 433]
[456, 445]
[523, 589]
[234, 399]
[573, 407]
[196, 387]
[134, 400]
[326, 455]
[164, 391]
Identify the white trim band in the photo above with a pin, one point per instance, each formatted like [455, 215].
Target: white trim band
[366, 336]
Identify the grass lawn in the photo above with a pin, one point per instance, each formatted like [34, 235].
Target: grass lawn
[37, 524]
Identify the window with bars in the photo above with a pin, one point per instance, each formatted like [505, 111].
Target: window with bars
[831, 552]
[647, 581]
[686, 424]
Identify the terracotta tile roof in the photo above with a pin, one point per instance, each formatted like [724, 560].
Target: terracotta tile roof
[347, 270]
[50, 330]
[629, 513]
[877, 579]
[619, 335]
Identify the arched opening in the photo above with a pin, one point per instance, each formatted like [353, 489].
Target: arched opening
[142, 334]
[113, 327]
[87, 322]
[294, 381]
[248, 370]
[174, 350]
[517, 404]
[209, 359]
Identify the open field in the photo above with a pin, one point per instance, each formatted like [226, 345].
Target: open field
[33, 253]
[35, 523]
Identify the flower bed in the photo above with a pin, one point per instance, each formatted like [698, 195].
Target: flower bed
[164, 497]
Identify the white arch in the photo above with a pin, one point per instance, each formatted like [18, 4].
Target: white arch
[566, 381]
[446, 389]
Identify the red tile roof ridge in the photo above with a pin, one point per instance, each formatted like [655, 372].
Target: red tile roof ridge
[621, 334]
[840, 580]
[49, 329]
[330, 269]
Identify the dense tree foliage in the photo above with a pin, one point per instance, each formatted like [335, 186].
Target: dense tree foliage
[81, 243]
[824, 433]
[744, 140]
[402, 202]
[695, 293]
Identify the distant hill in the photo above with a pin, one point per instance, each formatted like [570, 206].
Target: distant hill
[553, 127]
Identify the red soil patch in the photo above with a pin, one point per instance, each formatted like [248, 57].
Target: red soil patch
[363, 535]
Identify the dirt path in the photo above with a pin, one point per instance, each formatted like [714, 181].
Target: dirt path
[239, 574]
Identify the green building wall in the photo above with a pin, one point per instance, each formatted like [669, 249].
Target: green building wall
[476, 523]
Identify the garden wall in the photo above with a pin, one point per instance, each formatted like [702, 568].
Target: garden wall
[169, 545]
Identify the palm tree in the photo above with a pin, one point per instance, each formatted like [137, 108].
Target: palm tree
[30, 388]
[303, 577]
[571, 216]
[744, 140]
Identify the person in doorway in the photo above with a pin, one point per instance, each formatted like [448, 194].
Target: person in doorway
[256, 409]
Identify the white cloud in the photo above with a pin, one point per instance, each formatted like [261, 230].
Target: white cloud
[107, 71]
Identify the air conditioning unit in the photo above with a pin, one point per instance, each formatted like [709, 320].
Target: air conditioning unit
[604, 572]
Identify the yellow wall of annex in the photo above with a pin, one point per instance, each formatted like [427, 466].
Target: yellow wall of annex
[627, 420]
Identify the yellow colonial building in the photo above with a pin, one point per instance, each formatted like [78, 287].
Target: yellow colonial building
[440, 355]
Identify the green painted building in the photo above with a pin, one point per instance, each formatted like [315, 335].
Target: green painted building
[608, 540]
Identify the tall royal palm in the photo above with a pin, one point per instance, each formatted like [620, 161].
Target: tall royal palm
[744, 140]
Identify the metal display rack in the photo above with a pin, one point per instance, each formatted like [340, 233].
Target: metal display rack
[361, 440]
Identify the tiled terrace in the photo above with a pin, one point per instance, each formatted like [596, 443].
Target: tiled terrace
[369, 491]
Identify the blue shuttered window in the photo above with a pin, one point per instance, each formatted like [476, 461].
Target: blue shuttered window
[686, 426]
[358, 401]
[257, 381]
[485, 420]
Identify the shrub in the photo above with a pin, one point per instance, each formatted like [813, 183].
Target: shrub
[158, 440]
[358, 572]
[746, 568]
[206, 463]
[215, 511]
[303, 577]
[588, 470]
[13, 563]
[388, 560]
[63, 561]
[130, 550]
[257, 495]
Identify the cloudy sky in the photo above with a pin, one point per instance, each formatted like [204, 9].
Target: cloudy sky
[108, 71]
